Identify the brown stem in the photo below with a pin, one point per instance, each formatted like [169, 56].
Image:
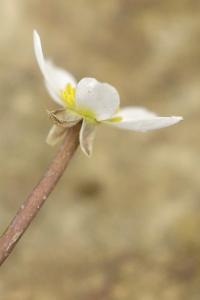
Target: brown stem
[37, 197]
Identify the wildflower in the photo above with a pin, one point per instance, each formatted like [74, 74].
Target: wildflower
[92, 102]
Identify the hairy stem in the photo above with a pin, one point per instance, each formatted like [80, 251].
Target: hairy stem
[37, 197]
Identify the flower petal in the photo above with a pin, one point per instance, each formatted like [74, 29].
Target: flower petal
[140, 119]
[56, 78]
[101, 99]
[86, 137]
[63, 118]
[55, 135]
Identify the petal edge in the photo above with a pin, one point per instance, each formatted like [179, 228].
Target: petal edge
[86, 137]
[56, 78]
[140, 119]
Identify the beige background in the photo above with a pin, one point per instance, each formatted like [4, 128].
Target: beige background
[125, 223]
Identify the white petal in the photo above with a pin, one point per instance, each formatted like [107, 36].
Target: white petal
[86, 137]
[101, 99]
[38, 50]
[140, 119]
[55, 135]
[56, 78]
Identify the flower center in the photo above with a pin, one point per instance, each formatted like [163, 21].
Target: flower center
[68, 97]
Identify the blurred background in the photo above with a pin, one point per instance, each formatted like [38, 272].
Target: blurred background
[125, 223]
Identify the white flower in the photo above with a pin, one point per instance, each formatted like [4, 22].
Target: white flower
[92, 102]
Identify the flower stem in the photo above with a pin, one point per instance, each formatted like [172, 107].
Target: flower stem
[37, 197]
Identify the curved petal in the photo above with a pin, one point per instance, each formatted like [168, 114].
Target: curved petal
[56, 78]
[86, 137]
[101, 99]
[140, 119]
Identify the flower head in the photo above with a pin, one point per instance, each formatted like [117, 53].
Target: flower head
[92, 102]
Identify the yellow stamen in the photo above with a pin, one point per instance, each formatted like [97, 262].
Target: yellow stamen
[115, 119]
[68, 96]
[87, 114]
